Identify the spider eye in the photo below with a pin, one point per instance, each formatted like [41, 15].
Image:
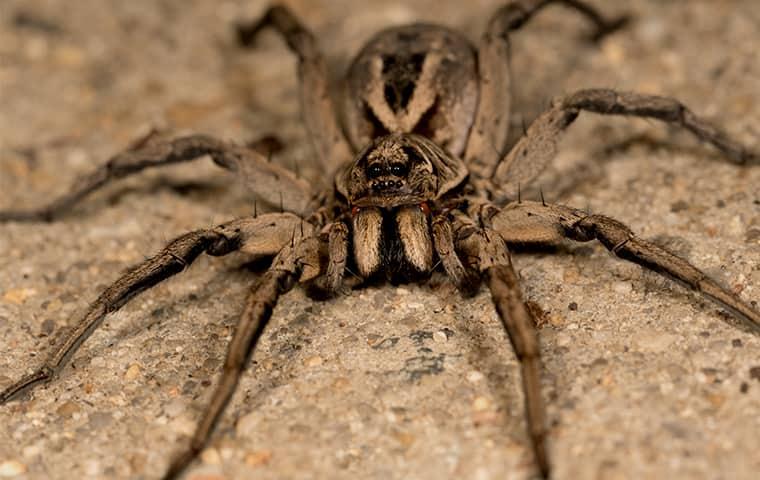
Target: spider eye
[398, 169]
[374, 171]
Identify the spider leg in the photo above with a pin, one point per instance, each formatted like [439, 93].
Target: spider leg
[257, 236]
[494, 262]
[535, 222]
[538, 147]
[316, 103]
[265, 179]
[330, 282]
[443, 241]
[489, 133]
[288, 266]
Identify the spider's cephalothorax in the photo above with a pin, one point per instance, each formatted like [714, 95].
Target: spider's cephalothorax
[421, 176]
[390, 189]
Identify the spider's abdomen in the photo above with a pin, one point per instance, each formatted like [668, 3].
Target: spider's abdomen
[413, 79]
[396, 242]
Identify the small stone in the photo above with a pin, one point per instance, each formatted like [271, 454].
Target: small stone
[69, 56]
[716, 399]
[480, 404]
[314, 361]
[341, 383]
[572, 306]
[404, 438]
[679, 206]
[12, 468]
[48, 327]
[258, 457]
[474, 376]
[18, 296]
[247, 425]
[67, 409]
[486, 417]
[31, 451]
[92, 468]
[53, 306]
[182, 425]
[622, 288]
[175, 407]
[655, 341]
[132, 372]
[210, 456]
[440, 337]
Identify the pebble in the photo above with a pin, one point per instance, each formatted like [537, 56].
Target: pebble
[652, 341]
[31, 451]
[18, 296]
[314, 361]
[67, 409]
[474, 376]
[183, 425]
[247, 425]
[257, 458]
[132, 372]
[622, 288]
[210, 456]
[175, 407]
[12, 468]
[440, 337]
[480, 404]
[406, 439]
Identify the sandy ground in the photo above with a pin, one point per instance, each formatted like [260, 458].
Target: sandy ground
[643, 379]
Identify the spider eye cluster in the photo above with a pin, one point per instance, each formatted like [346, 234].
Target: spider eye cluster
[397, 169]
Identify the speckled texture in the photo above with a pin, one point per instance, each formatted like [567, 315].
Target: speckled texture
[643, 379]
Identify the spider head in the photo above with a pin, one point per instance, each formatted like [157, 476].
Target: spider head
[399, 169]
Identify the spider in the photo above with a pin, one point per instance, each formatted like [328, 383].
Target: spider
[418, 179]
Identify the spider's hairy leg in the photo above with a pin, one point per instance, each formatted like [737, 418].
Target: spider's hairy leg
[538, 147]
[494, 262]
[489, 133]
[337, 247]
[291, 264]
[259, 236]
[266, 179]
[464, 278]
[538, 223]
[318, 107]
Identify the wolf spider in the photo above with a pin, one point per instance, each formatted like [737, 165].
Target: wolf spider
[419, 180]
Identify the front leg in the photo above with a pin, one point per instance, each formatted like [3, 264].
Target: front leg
[538, 223]
[261, 236]
[495, 264]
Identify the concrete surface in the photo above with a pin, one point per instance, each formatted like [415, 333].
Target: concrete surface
[643, 379]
